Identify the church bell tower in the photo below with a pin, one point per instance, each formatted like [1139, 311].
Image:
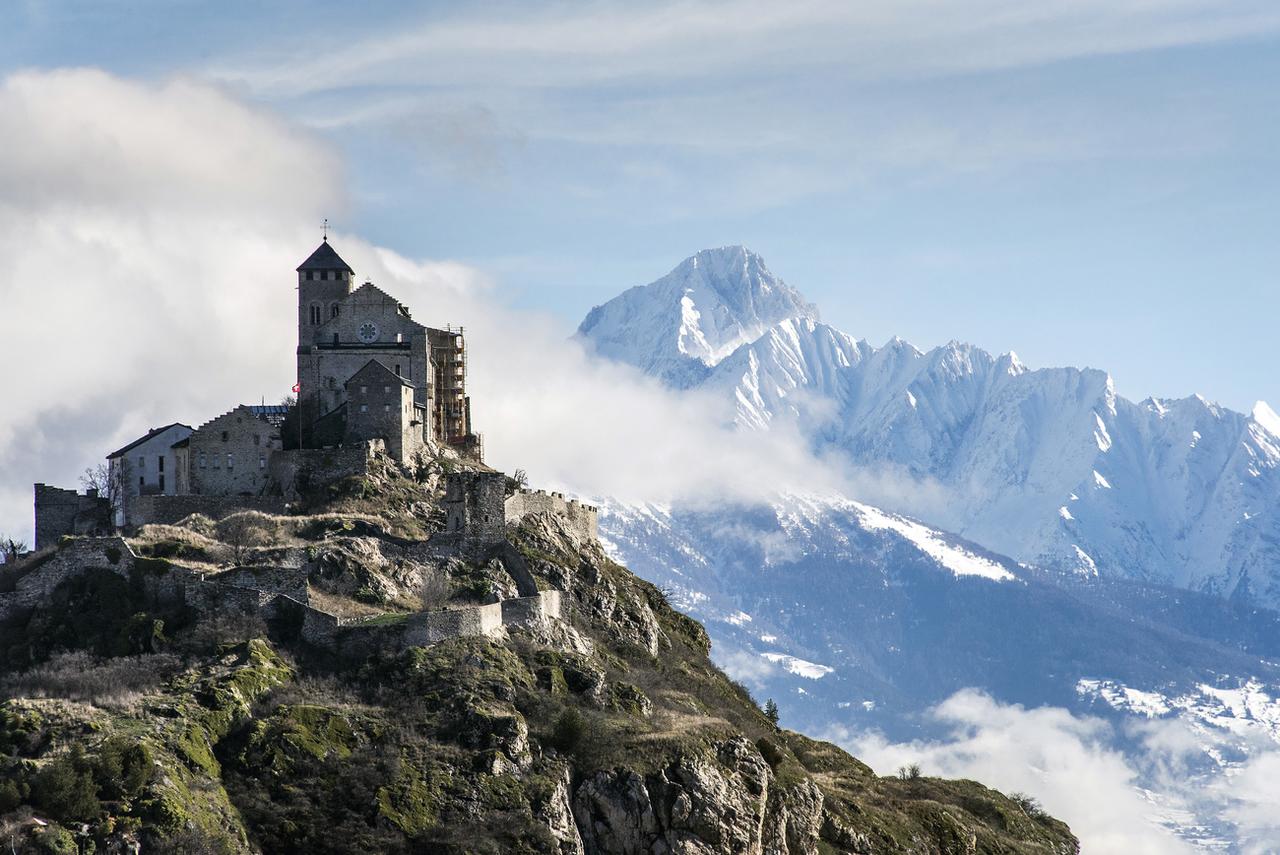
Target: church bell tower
[324, 279]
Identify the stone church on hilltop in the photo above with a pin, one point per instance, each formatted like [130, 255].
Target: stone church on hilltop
[371, 380]
[344, 333]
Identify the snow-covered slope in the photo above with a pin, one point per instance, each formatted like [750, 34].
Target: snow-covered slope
[1049, 466]
[695, 316]
[855, 619]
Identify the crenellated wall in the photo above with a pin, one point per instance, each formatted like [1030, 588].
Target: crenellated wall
[61, 512]
[583, 519]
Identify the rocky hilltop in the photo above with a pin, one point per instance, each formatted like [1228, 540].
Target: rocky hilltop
[361, 676]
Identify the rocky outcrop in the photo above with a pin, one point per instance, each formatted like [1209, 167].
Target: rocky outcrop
[724, 801]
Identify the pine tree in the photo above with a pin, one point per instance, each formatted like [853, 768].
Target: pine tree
[771, 712]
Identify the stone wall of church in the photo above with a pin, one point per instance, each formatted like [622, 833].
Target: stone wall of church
[229, 456]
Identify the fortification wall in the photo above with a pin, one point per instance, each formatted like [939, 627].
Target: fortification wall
[302, 469]
[263, 593]
[431, 627]
[60, 512]
[168, 510]
[473, 504]
[526, 611]
[583, 519]
[33, 580]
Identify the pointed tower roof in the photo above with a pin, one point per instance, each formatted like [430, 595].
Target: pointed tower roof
[324, 258]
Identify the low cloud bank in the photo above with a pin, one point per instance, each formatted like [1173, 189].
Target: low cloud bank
[150, 234]
[1123, 788]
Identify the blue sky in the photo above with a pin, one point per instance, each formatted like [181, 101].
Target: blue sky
[1086, 183]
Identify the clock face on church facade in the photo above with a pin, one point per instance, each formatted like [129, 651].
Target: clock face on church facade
[368, 332]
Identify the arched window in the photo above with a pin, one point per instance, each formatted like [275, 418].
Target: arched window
[333, 310]
[315, 313]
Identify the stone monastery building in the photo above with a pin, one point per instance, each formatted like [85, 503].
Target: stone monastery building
[368, 375]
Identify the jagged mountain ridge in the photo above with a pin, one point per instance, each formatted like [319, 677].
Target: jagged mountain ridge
[1049, 466]
[707, 307]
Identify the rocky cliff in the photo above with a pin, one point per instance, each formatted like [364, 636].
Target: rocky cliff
[135, 721]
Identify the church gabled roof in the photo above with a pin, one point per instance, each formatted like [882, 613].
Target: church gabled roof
[377, 368]
[325, 258]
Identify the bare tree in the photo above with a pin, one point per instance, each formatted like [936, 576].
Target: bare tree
[521, 478]
[10, 549]
[96, 478]
[242, 532]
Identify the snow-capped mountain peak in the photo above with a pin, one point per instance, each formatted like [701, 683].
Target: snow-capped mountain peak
[679, 326]
[1180, 491]
[1266, 418]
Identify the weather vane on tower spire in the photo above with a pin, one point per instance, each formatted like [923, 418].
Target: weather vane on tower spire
[326, 230]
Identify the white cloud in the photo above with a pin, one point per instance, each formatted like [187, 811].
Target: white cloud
[572, 47]
[1133, 786]
[1062, 760]
[150, 234]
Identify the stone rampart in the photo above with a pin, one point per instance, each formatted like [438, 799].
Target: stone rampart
[583, 519]
[168, 510]
[526, 611]
[301, 470]
[62, 512]
[431, 627]
[473, 503]
[33, 580]
[266, 592]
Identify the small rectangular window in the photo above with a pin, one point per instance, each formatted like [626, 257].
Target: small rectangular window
[364, 390]
[386, 390]
[162, 481]
[257, 439]
[160, 462]
[310, 275]
[364, 408]
[142, 463]
[386, 408]
[142, 482]
[262, 462]
[203, 460]
[397, 369]
[231, 460]
[225, 436]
